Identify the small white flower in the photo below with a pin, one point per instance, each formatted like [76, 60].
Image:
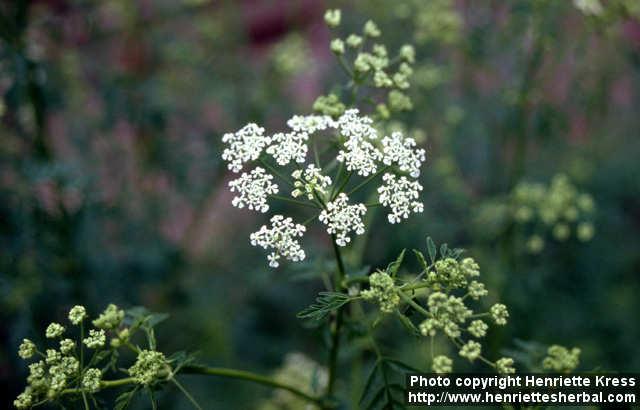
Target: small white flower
[245, 145]
[353, 125]
[342, 219]
[281, 237]
[290, 146]
[400, 195]
[253, 189]
[309, 181]
[403, 152]
[359, 154]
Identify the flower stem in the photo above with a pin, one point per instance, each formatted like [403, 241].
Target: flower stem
[252, 377]
[275, 172]
[222, 372]
[342, 186]
[293, 201]
[413, 304]
[337, 323]
[366, 181]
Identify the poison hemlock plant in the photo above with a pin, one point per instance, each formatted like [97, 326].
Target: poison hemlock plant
[325, 164]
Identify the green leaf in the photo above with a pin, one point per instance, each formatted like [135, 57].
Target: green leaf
[384, 388]
[326, 302]
[407, 323]
[421, 259]
[123, 400]
[393, 267]
[431, 248]
[444, 250]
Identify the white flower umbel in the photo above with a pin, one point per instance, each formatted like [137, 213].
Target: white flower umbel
[290, 146]
[309, 181]
[244, 145]
[400, 195]
[342, 219]
[403, 152]
[358, 153]
[353, 125]
[360, 156]
[253, 189]
[281, 237]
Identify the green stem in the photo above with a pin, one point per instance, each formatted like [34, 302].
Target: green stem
[217, 371]
[366, 181]
[186, 393]
[252, 377]
[337, 323]
[344, 184]
[413, 304]
[293, 201]
[275, 172]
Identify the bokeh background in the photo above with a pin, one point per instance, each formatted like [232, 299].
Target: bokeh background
[112, 188]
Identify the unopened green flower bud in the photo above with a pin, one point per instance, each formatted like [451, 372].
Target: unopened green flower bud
[399, 101]
[24, 400]
[442, 364]
[148, 367]
[471, 350]
[585, 231]
[329, 105]
[96, 338]
[478, 328]
[27, 349]
[371, 29]
[54, 330]
[560, 359]
[67, 346]
[561, 232]
[333, 17]
[77, 314]
[383, 111]
[110, 318]
[408, 53]
[354, 41]
[499, 313]
[535, 244]
[505, 365]
[337, 46]
[91, 380]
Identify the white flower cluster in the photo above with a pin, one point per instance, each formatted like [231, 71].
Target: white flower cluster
[244, 145]
[400, 194]
[290, 146]
[281, 237]
[403, 152]
[358, 154]
[361, 153]
[253, 189]
[309, 181]
[342, 219]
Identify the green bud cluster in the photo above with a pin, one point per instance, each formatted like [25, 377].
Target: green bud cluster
[371, 67]
[560, 359]
[558, 208]
[383, 291]
[150, 366]
[111, 318]
[451, 273]
[442, 364]
[436, 21]
[329, 105]
[60, 369]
